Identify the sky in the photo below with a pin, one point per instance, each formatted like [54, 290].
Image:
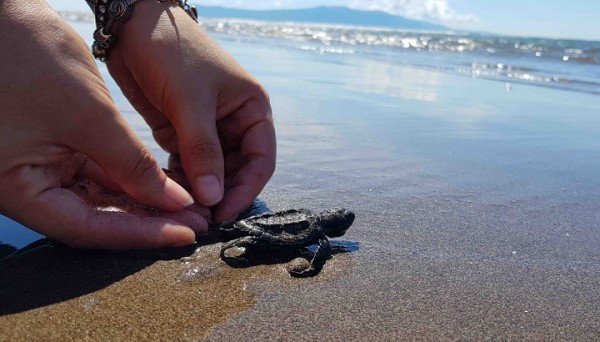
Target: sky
[579, 19]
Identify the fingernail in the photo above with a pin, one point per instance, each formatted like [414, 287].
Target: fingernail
[183, 243]
[228, 221]
[208, 190]
[178, 194]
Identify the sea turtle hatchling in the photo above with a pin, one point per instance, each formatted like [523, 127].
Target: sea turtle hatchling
[290, 230]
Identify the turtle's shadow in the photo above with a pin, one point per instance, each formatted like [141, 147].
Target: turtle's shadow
[272, 256]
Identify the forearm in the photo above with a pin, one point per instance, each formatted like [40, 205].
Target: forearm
[27, 22]
[36, 39]
[18, 12]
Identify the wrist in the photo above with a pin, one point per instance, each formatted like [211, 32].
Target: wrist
[110, 14]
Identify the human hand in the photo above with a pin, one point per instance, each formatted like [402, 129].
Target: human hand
[57, 124]
[199, 102]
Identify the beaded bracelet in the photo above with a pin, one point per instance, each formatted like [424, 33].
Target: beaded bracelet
[109, 12]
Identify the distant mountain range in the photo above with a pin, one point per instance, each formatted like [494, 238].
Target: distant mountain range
[325, 15]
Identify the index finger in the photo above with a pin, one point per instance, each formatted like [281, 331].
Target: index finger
[63, 216]
[255, 161]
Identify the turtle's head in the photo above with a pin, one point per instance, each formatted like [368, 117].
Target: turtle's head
[335, 222]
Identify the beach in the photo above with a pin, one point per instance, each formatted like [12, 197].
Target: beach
[477, 208]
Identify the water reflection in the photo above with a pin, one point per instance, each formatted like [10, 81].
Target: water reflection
[392, 80]
[426, 90]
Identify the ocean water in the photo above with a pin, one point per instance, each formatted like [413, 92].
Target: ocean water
[566, 64]
[414, 82]
[557, 63]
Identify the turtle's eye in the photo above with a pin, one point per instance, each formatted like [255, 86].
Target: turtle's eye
[347, 219]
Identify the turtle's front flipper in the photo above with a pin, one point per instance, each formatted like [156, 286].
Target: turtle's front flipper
[316, 264]
[243, 242]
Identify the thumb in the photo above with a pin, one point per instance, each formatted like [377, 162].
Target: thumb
[201, 154]
[117, 150]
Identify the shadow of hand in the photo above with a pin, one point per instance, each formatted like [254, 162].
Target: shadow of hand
[46, 273]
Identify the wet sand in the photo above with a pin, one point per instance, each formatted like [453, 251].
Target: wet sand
[62, 294]
[477, 218]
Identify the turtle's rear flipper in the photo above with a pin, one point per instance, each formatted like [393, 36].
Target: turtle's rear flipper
[316, 264]
[243, 242]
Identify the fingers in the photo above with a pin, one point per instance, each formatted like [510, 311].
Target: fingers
[201, 152]
[249, 166]
[60, 214]
[115, 148]
[245, 134]
[96, 195]
[38, 201]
